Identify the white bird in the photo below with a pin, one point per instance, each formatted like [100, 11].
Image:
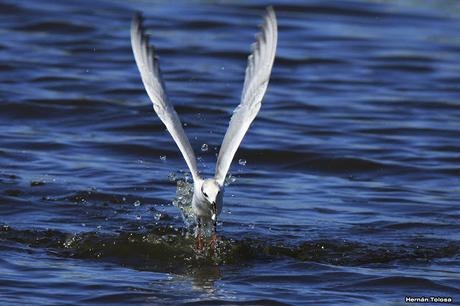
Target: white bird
[208, 193]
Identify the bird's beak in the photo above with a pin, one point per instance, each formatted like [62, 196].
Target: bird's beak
[214, 211]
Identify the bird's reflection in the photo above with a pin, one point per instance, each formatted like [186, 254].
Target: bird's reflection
[203, 277]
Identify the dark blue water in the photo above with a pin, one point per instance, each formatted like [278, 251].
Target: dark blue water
[348, 185]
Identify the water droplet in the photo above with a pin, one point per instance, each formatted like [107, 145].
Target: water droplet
[138, 217]
[137, 203]
[163, 157]
[204, 147]
[242, 162]
[230, 179]
[251, 226]
[172, 177]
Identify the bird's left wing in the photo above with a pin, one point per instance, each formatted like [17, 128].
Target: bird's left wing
[258, 72]
[149, 68]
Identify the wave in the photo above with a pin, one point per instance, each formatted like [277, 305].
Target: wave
[169, 249]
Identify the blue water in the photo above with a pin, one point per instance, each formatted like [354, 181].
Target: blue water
[345, 191]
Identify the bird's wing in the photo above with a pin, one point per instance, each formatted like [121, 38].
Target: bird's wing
[258, 71]
[149, 68]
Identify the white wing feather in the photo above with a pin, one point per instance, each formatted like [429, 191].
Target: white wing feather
[258, 72]
[149, 68]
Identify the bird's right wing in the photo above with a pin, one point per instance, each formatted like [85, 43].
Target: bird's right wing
[258, 72]
[149, 68]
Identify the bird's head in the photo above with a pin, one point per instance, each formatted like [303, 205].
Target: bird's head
[212, 192]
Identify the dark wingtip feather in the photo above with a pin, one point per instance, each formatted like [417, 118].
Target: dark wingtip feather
[270, 10]
[137, 22]
[138, 17]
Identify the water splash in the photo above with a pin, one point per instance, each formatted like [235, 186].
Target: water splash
[183, 200]
[229, 179]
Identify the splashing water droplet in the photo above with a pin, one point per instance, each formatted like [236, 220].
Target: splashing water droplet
[230, 179]
[183, 201]
[204, 147]
[163, 157]
[242, 162]
[172, 176]
[137, 203]
[138, 217]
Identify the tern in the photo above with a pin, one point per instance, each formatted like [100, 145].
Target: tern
[208, 193]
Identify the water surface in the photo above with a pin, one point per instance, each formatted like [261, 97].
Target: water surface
[347, 190]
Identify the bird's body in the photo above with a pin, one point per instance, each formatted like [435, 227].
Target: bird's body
[208, 193]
